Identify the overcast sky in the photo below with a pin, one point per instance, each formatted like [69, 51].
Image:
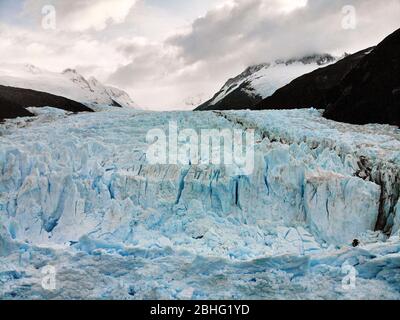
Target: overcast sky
[170, 54]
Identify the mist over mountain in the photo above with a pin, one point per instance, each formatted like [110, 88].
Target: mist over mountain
[260, 81]
[360, 88]
[26, 85]
[312, 90]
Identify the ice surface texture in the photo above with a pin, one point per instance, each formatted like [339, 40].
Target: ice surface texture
[77, 192]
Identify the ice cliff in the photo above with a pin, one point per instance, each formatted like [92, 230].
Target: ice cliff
[78, 192]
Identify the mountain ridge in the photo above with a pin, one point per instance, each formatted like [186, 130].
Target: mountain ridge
[14, 101]
[313, 89]
[69, 84]
[370, 93]
[259, 81]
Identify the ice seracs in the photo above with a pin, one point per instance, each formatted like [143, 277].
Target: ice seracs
[78, 193]
[340, 208]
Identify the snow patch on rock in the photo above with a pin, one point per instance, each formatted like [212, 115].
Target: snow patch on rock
[69, 84]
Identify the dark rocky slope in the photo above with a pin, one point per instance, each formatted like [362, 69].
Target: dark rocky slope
[361, 88]
[13, 102]
[9, 110]
[235, 100]
[243, 92]
[370, 93]
[238, 97]
[314, 89]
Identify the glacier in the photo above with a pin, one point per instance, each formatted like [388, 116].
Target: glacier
[77, 193]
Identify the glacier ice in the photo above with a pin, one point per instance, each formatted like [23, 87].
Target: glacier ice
[334, 202]
[77, 192]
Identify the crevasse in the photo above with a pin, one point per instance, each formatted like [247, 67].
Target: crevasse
[82, 184]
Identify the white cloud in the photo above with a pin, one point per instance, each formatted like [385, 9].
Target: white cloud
[166, 60]
[243, 32]
[59, 50]
[81, 15]
[253, 31]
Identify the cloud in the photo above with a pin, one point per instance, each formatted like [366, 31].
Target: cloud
[81, 15]
[56, 51]
[250, 31]
[166, 58]
[239, 33]
[160, 78]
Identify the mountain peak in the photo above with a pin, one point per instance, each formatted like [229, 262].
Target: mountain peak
[94, 81]
[32, 69]
[262, 80]
[69, 84]
[319, 59]
[69, 70]
[247, 72]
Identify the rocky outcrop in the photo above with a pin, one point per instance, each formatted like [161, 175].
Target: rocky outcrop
[14, 101]
[370, 93]
[9, 110]
[260, 81]
[314, 89]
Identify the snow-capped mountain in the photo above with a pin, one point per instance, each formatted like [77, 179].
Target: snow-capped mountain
[361, 88]
[260, 81]
[314, 89]
[69, 84]
[18, 102]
